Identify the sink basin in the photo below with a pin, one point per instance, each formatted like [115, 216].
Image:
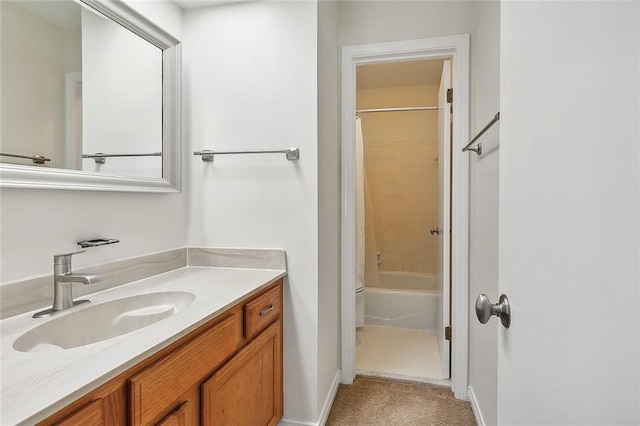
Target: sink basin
[97, 323]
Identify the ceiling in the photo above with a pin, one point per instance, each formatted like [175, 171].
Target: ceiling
[396, 74]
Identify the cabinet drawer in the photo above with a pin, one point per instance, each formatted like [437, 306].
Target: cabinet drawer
[177, 417]
[90, 414]
[262, 311]
[156, 388]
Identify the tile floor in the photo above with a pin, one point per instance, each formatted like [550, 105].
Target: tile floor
[398, 353]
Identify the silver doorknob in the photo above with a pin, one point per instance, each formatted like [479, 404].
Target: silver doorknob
[485, 309]
[435, 231]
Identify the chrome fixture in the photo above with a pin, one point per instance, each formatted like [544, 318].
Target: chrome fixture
[478, 149]
[37, 159]
[207, 154]
[267, 311]
[399, 109]
[485, 309]
[62, 279]
[97, 242]
[100, 158]
[435, 231]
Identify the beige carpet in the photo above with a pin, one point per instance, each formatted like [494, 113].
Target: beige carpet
[374, 402]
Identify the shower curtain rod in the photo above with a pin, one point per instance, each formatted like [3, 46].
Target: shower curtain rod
[429, 108]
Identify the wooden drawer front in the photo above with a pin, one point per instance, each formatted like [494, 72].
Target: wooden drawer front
[262, 311]
[155, 389]
[177, 417]
[90, 414]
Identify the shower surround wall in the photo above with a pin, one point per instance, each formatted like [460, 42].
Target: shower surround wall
[400, 150]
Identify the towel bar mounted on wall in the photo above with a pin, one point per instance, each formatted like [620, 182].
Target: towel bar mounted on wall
[100, 158]
[399, 109]
[291, 153]
[478, 149]
[37, 159]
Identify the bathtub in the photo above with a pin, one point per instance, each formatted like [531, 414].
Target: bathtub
[407, 281]
[406, 301]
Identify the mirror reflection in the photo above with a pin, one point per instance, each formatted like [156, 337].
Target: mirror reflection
[79, 91]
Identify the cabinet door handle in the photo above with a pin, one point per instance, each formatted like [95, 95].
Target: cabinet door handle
[266, 311]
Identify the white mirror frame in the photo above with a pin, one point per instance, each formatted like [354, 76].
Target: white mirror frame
[18, 176]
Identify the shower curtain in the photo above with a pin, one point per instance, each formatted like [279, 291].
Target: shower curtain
[360, 207]
[366, 249]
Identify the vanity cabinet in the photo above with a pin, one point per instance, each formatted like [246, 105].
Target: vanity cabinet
[166, 383]
[179, 417]
[227, 371]
[91, 414]
[246, 390]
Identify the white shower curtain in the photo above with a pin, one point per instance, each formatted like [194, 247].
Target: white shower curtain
[366, 249]
[360, 222]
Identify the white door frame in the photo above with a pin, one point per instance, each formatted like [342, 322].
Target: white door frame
[457, 48]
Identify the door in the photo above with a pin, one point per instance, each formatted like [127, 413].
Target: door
[444, 177]
[569, 215]
[247, 390]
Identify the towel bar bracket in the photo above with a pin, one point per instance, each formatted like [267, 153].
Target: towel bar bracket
[477, 149]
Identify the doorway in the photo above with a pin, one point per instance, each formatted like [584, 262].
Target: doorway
[403, 147]
[454, 49]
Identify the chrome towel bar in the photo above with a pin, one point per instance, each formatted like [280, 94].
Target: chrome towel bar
[37, 159]
[399, 109]
[100, 157]
[291, 153]
[478, 149]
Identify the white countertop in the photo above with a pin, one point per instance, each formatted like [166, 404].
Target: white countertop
[36, 385]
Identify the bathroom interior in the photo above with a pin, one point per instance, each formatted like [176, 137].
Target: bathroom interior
[399, 192]
[261, 201]
[266, 75]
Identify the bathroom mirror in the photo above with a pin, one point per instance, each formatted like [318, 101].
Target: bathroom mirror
[90, 98]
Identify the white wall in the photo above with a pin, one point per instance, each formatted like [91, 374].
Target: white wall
[328, 201]
[483, 228]
[251, 83]
[569, 212]
[36, 224]
[363, 22]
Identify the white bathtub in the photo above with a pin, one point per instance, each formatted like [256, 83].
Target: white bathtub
[407, 281]
[417, 309]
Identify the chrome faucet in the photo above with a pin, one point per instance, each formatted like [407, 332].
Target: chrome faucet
[62, 284]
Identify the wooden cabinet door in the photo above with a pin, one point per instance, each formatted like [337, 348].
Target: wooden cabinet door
[248, 389]
[156, 389]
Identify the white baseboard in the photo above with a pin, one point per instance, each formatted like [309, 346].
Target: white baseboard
[328, 402]
[288, 422]
[475, 407]
[326, 408]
